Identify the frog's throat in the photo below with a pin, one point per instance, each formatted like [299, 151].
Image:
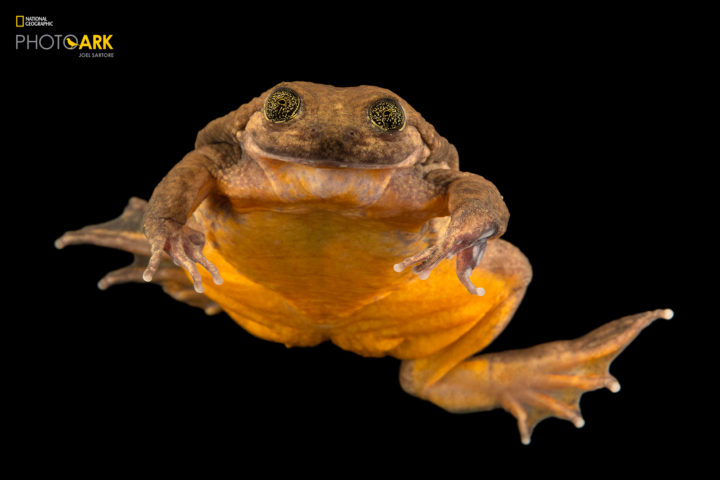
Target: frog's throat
[256, 152]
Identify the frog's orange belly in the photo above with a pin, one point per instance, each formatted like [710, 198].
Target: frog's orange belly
[301, 279]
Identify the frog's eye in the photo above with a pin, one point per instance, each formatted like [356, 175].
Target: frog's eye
[387, 114]
[282, 105]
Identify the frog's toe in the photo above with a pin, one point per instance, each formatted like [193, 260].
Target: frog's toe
[122, 275]
[423, 262]
[467, 260]
[123, 232]
[552, 395]
[530, 410]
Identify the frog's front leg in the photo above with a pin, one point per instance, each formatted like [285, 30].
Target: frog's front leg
[532, 384]
[477, 214]
[175, 198]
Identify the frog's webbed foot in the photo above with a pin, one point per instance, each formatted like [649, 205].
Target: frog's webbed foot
[550, 385]
[538, 382]
[125, 233]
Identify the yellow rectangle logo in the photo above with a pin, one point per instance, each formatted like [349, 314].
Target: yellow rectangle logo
[19, 20]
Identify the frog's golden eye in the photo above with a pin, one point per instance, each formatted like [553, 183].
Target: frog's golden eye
[387, 114]
[282, 105]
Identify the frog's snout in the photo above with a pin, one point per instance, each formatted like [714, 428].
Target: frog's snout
[337, 144]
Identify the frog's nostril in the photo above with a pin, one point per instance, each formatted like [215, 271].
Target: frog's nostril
[350, 134]
[315, 130]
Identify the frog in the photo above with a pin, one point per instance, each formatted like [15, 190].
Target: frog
[316, 213]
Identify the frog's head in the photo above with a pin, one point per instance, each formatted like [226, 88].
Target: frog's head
[325, 126]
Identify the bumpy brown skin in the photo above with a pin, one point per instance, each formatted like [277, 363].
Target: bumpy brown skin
[333, 138]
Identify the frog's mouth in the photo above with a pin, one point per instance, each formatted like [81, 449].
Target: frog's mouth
[258, 153]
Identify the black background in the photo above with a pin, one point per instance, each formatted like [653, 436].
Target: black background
[578, 123]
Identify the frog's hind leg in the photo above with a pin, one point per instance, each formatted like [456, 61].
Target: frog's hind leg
[125, 233]
[532, 384]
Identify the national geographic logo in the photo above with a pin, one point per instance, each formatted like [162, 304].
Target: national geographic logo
[86, 45]
[23, 21]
